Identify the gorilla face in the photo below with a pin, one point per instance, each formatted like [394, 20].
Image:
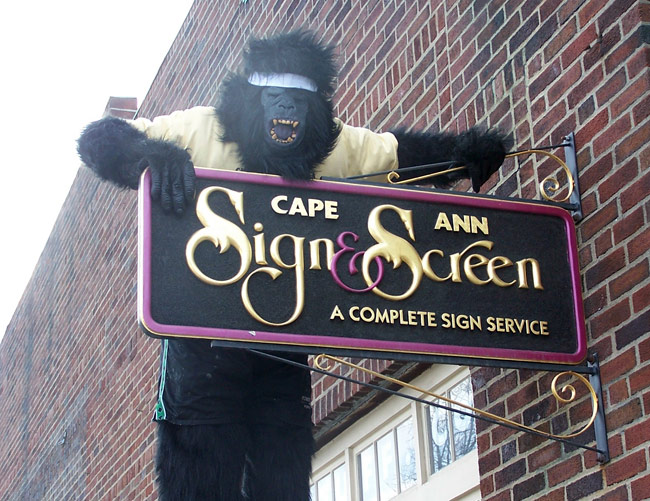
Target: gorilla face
[281, 131]
[285, 116]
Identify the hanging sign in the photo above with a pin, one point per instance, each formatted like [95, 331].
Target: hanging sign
[361, 269]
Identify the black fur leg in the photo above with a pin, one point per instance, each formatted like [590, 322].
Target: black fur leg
[281, 460]
[201, 462]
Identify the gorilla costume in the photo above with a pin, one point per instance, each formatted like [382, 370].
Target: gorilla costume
[234, 425]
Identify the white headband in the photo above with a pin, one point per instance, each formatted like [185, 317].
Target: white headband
[284, 80]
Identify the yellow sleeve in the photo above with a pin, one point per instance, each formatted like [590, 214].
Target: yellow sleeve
[360, 151]
[196, 130]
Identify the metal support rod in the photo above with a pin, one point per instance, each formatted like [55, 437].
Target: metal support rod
[572, 163]
[601, 453]
[600, 425]
[573, 204]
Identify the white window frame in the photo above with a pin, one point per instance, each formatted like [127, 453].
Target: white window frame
[457, 481]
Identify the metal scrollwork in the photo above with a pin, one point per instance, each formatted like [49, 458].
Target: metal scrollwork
[549, 187]
[322, 362]
[572, 395]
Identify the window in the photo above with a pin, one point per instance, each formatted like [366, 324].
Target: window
[331, 487]
[387, 467]
[405, 450]
[451, 435]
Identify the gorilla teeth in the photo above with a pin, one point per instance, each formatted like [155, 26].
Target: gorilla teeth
[280, 121]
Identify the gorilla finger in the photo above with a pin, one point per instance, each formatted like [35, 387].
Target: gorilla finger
[188, 181]
[179, 201]
[477, 175]
[485, 171]
[165, 190]
[177, 191]
[156, 183]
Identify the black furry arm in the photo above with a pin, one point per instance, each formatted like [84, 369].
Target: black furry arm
[482, 152]
[119, 153]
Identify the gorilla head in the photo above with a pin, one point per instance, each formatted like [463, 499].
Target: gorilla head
[278, 109]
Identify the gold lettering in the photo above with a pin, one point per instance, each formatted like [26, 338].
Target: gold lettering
[314, 253]
[468, 224]
[469, 266]
[382, 316]
[523, 276]
[393, 249]
[462, 321]
[330, 209]
[297, 207]
[426, 266]
[221, 232]
[336, 313]
[314, 205]
[275, 204]
[298, 266]
[517, 326]
[454, 259]
[461, 223]
[493, 266]
[442, 222]
[260, 245]
[482, 225]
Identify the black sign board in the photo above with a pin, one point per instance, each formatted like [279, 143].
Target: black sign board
[350, 268]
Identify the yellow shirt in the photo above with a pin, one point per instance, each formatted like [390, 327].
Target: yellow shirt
[357, 151]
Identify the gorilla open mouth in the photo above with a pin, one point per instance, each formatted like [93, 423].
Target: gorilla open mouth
[284, 131]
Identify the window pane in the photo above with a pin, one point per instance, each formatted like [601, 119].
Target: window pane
[439, 438]
[367, 472]
[406, 455]
[325, 489]
[387, 467]
[340, 484]
[464, 429]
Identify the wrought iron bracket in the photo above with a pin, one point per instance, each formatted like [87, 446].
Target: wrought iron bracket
[592, 369]
[575, 201]
[548, 187]
[600, 424]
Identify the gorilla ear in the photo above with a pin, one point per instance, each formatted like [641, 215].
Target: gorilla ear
[297, 52]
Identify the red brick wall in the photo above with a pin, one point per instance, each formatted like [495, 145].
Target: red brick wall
[77, 378]
[580, 66]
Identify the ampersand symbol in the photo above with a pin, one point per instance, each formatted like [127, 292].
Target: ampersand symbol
[352, 267]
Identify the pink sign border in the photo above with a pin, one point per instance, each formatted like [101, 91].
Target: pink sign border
[381, 347]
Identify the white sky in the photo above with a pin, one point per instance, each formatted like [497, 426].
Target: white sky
[60, 63]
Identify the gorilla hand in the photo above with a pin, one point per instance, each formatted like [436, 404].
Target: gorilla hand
[482, 152]
[172, 174]
[118, 152]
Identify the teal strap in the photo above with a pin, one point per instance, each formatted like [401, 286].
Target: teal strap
[160, 411]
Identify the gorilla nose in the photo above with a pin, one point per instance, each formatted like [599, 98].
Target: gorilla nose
[287, 106]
